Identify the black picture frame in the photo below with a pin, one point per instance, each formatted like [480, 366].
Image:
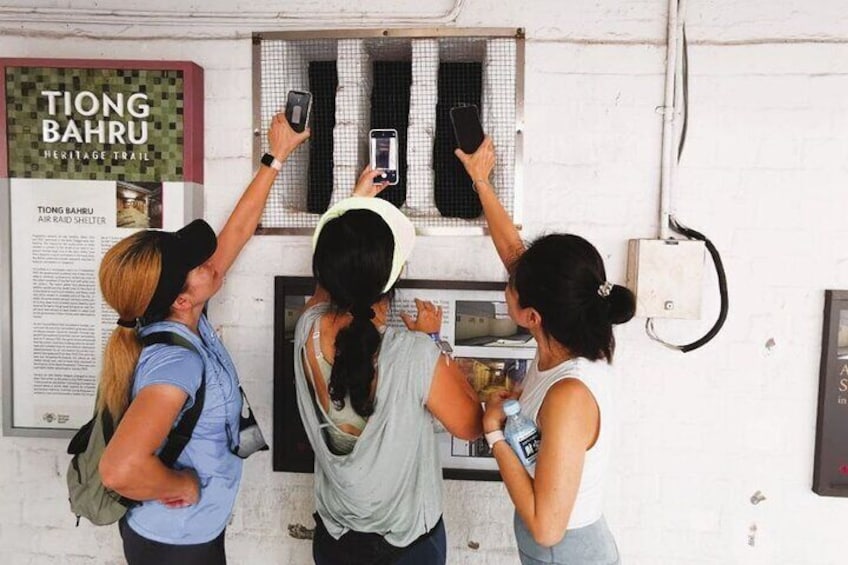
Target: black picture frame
[291, 449]
[830, 467]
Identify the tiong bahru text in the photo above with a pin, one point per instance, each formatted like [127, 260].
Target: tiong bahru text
[95, 118]
[68, 215]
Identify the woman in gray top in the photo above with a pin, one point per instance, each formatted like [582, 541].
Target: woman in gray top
[369, 413]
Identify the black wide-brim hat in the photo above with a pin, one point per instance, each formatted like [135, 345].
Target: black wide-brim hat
[181, 251]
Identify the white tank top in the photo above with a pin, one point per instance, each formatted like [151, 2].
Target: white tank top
[596, 375]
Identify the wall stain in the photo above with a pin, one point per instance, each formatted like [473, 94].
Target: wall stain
[299, 531]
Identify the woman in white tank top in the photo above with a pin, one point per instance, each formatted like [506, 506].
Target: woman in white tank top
[559, 292]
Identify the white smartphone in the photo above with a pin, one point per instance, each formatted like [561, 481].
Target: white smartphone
[384, 154]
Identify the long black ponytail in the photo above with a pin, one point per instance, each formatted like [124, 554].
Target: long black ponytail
[352, 262]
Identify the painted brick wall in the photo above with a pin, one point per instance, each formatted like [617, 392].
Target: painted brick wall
[764, 175]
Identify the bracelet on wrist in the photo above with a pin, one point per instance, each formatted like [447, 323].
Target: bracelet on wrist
[494, 437]
[475, 182]
[435, 336]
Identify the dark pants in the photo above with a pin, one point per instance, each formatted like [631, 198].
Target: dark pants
[142, 551]
[358, 548]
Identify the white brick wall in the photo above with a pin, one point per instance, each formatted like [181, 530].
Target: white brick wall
[764, 176]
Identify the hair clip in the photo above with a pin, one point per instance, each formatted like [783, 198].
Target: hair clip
[605, 289]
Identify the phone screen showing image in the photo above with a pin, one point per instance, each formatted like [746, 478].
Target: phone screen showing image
[385, 152]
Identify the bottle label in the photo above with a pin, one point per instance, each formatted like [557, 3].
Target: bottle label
[529, 445]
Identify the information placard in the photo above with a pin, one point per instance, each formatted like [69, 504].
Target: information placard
[90, 151]
[491, 350]
[830, 467]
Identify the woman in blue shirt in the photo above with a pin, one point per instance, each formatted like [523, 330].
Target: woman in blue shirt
[160, 281]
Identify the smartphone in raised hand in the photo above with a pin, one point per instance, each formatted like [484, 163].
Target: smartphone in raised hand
[383, 145]
[298, 105]
[467, 127]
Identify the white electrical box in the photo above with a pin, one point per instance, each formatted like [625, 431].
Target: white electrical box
[666, 275]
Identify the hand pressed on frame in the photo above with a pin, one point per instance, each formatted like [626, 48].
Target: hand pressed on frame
[479, 164]
[191, 494]
[428, 320]
[365, 185]
[282, 139]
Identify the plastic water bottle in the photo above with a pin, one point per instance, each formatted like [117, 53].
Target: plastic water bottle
[521, 433]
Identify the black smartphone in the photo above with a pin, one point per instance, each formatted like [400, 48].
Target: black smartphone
[384, 154]
[298, 104]
[467, 127]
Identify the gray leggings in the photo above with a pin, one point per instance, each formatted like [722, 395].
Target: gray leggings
[589, 545]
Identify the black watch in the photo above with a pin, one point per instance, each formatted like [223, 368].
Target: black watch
[270, 161]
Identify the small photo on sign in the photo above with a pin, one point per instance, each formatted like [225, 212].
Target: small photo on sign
[470, 448]
[492, 375]
[842, 336]
[487, 324]
[139, 204]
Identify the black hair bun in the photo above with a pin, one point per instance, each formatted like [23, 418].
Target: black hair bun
[622, 304]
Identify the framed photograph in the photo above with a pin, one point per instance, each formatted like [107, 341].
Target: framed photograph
[830, 468]
[493, 352]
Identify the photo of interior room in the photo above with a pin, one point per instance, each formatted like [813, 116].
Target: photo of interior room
[139, 205]
[485, 323]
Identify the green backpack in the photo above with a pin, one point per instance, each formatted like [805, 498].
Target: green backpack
[86, 493]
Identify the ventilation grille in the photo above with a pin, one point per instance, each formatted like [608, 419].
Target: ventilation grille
[405, 83]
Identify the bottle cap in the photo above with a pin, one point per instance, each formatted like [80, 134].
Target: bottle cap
[511, 407]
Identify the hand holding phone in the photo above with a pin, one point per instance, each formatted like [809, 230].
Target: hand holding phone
[467, 127]
[282, 139]
[383, 145]
[479, 164]
[298, 105]
[370, 183]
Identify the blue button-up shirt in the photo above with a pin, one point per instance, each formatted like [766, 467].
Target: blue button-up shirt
[208, 452]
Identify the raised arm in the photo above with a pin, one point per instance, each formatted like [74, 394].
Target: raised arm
[505, 236]
[245, 217]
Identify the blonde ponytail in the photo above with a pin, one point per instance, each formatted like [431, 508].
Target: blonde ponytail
[129, 273]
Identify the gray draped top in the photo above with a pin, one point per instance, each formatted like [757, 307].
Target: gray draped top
[391, 483]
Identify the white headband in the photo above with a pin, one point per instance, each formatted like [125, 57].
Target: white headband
[402, 229]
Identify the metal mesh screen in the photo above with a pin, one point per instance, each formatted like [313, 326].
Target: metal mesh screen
[460, 84]
[298, 65]
[323, 82]
[407, 84]
[390, 109]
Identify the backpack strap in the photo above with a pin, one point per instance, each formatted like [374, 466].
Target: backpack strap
[108, 425]
[181, 434]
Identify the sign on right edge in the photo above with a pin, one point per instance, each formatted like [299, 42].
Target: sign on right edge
[830, 472]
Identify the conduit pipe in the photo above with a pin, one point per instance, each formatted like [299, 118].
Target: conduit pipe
[670, 113]
[259, 20]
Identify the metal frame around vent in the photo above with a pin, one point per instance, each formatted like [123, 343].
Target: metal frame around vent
[476, 227]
